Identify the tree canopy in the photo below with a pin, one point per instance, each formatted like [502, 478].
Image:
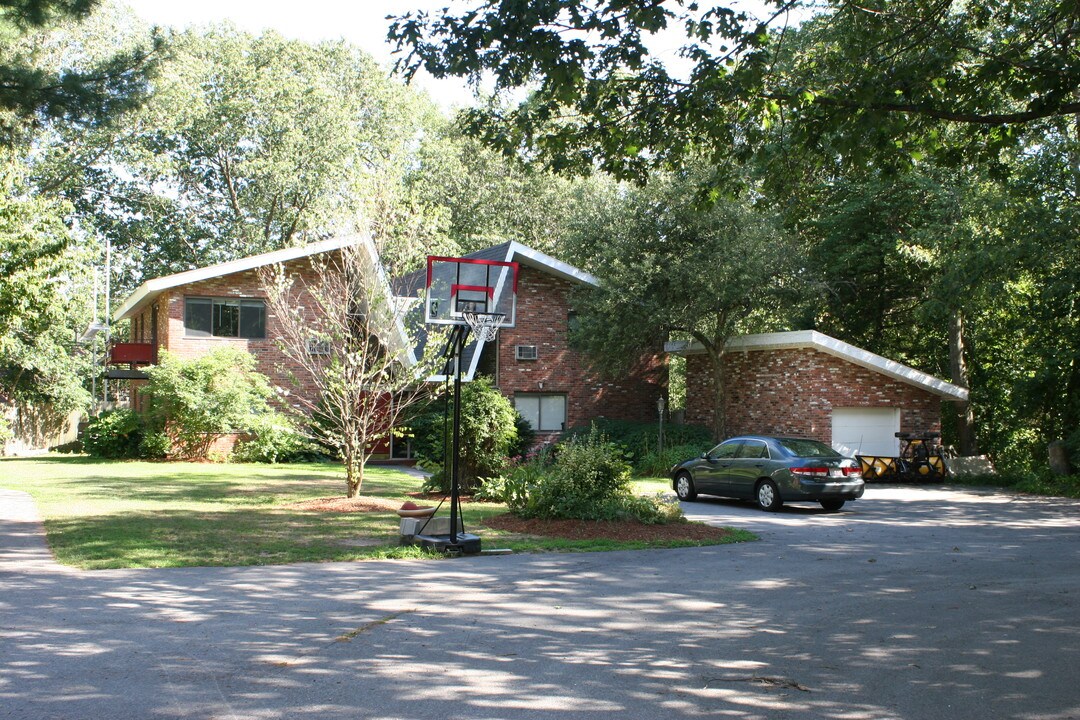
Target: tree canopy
[35, 90]
[893, 68]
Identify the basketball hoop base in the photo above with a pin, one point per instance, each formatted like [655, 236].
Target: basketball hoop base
[463, 544]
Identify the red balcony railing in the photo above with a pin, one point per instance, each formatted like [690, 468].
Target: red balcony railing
[138, 353]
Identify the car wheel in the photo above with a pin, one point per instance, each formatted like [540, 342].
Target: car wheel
[684, 486]
[832, 505]
[768, 496]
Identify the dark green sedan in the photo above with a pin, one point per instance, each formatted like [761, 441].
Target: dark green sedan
[771, 471]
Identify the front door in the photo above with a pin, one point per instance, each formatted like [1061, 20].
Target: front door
[711, 476]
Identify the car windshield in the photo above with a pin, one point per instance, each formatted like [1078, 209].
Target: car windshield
[808, 448]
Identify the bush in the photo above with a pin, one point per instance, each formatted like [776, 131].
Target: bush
[114, 434]
[657, 464]
[638, 440]
[197, 401]
[155, 445]
[274, 439]
[588, 480]
[488, 434]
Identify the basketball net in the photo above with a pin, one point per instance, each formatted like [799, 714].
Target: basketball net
[485, 325]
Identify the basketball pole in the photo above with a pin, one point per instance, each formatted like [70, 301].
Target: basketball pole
[459, 348]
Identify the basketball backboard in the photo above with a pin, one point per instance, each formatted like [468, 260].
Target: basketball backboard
[459, 285]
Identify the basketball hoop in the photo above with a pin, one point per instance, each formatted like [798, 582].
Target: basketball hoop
[485, 325]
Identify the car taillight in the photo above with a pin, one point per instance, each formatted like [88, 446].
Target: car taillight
[853, 472]
[811, 471]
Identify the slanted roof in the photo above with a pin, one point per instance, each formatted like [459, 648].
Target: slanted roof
[151, 289]
[814, 340]
[411, 286]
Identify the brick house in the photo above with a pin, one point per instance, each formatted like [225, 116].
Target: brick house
[194, 312]
[808, 384]
[533, 364]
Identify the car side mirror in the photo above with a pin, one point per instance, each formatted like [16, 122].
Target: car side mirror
[706, 456]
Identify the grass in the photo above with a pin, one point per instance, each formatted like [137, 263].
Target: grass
[1045, 484]
[118, 514]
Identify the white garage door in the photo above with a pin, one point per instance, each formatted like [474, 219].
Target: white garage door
[866, 431]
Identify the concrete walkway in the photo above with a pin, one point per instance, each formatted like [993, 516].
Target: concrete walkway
[22, 537]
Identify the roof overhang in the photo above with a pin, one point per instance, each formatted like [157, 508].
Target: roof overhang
[803, 339]
[525, 255]
[151, 289]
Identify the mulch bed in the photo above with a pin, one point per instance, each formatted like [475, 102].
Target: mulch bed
[626, 531]
[345, 505]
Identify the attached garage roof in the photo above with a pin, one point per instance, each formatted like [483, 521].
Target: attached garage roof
[801, 339]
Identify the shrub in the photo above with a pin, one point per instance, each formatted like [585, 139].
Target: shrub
[526, 437]
[589, 481]
[274, 439]
[488, 434]
[657, 464]
[197, 401]
[639, 439]
[155, 445]
[654, 509]
[113, 434]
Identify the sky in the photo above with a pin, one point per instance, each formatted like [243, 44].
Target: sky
[361, 22]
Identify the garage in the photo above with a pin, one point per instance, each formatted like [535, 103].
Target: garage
[866, 431]
[803, 383]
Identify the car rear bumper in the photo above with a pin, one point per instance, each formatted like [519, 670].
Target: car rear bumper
[829, 489]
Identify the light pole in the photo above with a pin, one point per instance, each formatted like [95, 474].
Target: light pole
[660, 405]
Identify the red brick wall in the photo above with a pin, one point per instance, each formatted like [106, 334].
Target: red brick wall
[270, 360]
[543, 305]
[793, 392]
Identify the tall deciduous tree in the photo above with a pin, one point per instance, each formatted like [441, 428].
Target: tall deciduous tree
[249, 144]
[42, 301]
[669, 266]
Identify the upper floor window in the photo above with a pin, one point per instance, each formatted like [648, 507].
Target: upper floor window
[221, 317]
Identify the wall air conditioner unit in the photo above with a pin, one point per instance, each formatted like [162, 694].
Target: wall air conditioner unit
[525, 352]
[318, 347]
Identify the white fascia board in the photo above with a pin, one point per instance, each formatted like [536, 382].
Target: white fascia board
[543, 261]
[831, 346]
[397, 310]
[150, 289]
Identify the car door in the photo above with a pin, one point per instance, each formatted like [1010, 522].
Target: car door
[712, 472]
[746, 467]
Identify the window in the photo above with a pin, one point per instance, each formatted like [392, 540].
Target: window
[525, 352]
[545, 413]
[212, 317]
[725, 449]
[573, 322]
[753, 449]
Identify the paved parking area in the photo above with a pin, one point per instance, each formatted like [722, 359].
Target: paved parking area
[914, 603]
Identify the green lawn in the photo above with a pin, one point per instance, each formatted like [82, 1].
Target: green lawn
[113, 514]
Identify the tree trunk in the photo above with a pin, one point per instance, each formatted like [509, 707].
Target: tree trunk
[965, 414]
[716, 364]
[354, 473]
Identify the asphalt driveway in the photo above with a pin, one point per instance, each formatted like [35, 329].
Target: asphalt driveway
[912, 603]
